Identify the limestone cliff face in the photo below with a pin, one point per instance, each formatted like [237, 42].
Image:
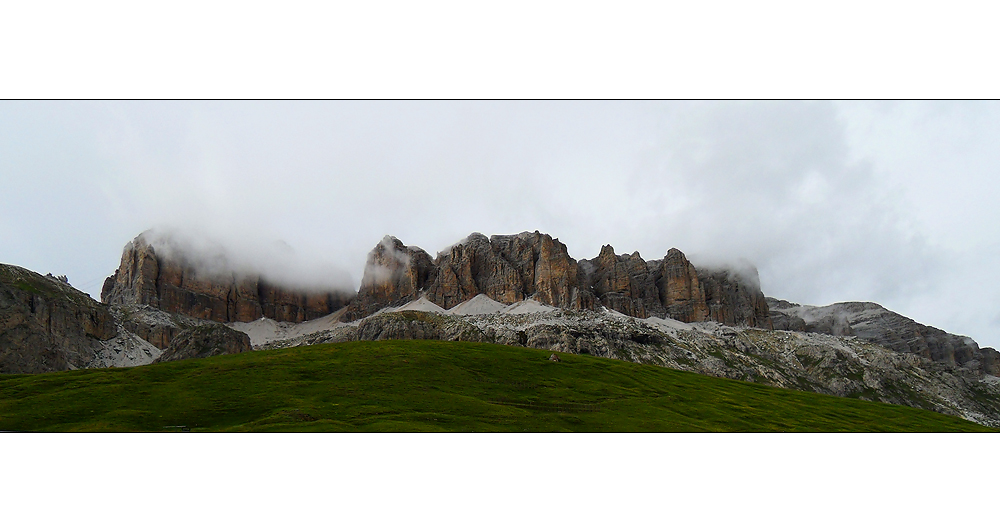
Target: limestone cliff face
[673, 288]
[508, 269]
[176, 284]
[394, 274]
[47, 325]
[733, 299]
[619, 282]
[511, 268]
[680, 288]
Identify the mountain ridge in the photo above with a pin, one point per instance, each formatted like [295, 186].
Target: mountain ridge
[668, 312]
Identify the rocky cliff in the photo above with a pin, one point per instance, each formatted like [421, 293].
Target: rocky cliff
[876, 324]
[511, 268]
[47, 325]
[176, 283]
[394, 274]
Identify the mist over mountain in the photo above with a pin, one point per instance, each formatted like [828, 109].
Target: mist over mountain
[175, 297]
[831, 201]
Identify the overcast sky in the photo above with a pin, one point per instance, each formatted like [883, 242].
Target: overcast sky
[887, 202]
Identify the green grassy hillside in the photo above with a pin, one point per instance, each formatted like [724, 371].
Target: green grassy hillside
[428, 386]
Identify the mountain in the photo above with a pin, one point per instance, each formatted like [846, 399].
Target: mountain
[874, 323]
[512, 268]
[166, 302]
[47, 325]
[182, 283]
[505, 268]
[816, 362]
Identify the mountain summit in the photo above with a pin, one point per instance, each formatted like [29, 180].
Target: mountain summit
[171, 300]
[505, 268]
[512, 268]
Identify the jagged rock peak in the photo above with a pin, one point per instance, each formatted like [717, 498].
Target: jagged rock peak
[156, 270]
[508, 269]
[512, 268]
[395, 274]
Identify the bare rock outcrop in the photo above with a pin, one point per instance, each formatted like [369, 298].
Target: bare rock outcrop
[175, 283]
[619, 282]
[735, 299]
[153, 325]
[674, 288]
[508, 269]
[512, 268]
[876, 324]
[205, 341]
[47, 325]
[680, 288]
[394, 274]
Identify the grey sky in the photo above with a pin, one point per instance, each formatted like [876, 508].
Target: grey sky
[885, 202]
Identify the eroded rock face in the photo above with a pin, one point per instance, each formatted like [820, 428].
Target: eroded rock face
[734, 300]
[680, 288]
[508, 269]
[177, 285]
[205, 341]
[674, 288]
[154, 325]
[47, 325]
[619, 282]
[394, 275]
[876, 324]
[512, 268]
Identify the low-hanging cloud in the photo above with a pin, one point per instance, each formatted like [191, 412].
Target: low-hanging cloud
[272, 260]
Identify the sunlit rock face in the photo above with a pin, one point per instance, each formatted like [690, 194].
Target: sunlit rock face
[199, 287]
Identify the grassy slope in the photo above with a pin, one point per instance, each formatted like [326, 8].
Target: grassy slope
[428, 386]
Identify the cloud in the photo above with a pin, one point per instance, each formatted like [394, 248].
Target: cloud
[830, 201]
[774, 183]
[271, 259]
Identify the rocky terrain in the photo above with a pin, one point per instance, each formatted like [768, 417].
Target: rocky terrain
[505, 268]
[164, 304]
[47, 325]
[809, 361]
[874, 323]
[512, 268]
[205, 341]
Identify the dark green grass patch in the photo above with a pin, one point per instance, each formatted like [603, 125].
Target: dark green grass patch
[428, 386]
